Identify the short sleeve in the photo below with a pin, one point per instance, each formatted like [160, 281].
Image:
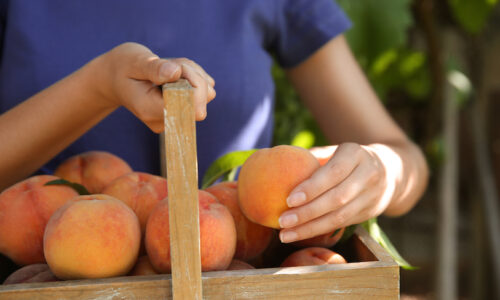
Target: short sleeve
[303, 26]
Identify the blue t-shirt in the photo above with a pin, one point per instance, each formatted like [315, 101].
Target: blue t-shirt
[234, 41]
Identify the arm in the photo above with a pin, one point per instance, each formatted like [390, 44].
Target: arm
[375, 168]
[37, 129]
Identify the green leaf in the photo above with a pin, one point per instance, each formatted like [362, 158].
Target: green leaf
[472, 15]
[80, 189]
[348, 232]
[335, 232]
[378, 26]
[225, 165]
[378, 235]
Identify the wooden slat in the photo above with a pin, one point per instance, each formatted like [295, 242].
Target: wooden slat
[363, 280]
[374, 248]
[182, 173]
[374, 280]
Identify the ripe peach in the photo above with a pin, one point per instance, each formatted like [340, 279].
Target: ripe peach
[251, 238]
[267, 178]
[313, 256]
[93, 169]
[25, 209]
[31, 273]
[217, 235]
[237, 264]
[140, 191]
[325, 240]
[143, 267]
[96, 238]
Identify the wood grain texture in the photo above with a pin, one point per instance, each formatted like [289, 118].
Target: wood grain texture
[372, 280]
[182, 173]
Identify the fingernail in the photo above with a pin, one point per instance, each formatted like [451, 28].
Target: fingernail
[167, 69]
[296, 199]
[288, 220]
[288, 236]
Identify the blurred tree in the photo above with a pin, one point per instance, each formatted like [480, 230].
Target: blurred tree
[379, 40]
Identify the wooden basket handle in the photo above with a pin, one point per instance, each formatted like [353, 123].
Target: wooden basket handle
[182, 169]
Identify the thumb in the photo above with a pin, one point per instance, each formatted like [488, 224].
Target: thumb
[160, 71]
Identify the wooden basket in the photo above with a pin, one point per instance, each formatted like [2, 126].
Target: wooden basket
[374, 275]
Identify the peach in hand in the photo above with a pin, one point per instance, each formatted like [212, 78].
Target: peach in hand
[266, 179]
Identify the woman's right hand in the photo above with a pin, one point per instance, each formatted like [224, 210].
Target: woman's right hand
[129, 74]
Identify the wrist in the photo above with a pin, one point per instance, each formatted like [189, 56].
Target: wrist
[393, 167]
[97, 74]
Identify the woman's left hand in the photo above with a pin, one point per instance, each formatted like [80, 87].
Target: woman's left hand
[349, 189]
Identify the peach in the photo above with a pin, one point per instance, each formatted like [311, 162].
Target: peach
[143, 267]
[325, 240]
[313, 256]
[217, 235]
[237, 264]
[266, 179]
[25, 209]
[94, 169]
[95, 238]
[140, 191]
[251, 238]
[31, 273]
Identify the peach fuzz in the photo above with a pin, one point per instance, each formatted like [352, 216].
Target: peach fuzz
[31, 273]
[266, 179]
[140, 191]
[143, 267]
[25, 209]
[93, 169]
[95, 238]
[313, 256]
[237, 264]
[325, 240]
[251, 238]
[217, 235]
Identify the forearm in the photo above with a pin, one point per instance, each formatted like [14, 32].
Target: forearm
[406, 174]
[37, 129]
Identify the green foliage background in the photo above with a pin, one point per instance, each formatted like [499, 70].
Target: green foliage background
[380, 38]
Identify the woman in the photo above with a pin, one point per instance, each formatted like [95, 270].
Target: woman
[375, 168]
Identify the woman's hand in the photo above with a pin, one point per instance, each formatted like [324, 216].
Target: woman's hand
[37, 129]
[129, 74]
[351, 187]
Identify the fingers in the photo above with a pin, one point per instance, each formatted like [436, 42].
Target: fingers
[345, 216]
[142, 64]
[197, 68]
[160, 71]
[146, 103]
[347, 190]
[331, 200]
[346, 158]
[135, 73]
[201, 91]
